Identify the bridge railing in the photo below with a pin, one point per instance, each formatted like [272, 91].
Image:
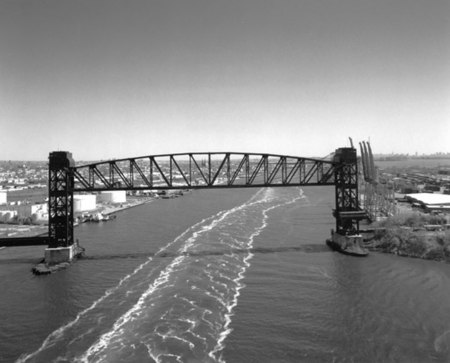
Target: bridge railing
[203, 170]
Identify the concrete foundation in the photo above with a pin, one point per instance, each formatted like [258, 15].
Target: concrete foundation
[54, 256]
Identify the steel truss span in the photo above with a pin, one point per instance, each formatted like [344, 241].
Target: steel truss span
[203, 170]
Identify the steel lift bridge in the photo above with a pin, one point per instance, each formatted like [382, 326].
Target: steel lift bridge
[207, 170]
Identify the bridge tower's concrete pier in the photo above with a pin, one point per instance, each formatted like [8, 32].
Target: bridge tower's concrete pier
[61, 246]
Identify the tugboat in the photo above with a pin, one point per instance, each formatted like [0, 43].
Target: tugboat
[349, 244]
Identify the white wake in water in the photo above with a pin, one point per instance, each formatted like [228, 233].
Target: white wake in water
[185, 313]
[97, 306]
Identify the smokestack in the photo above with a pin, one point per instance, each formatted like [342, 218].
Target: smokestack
[372, 164]
[363, 162]
[351, 142]
[366, 160]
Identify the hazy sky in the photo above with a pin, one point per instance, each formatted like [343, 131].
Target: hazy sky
[122, 78]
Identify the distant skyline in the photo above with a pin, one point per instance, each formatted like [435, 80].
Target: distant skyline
[111, 78]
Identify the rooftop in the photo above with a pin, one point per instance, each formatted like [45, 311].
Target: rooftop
[430, 198]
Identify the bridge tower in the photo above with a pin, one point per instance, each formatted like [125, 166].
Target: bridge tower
[60, 206]
[347, 212]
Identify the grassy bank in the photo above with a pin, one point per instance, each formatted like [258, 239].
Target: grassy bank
[406, 235]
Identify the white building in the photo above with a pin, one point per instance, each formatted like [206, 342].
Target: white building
[39, 208]
[3, 197]
[116, 196]
[431, 201]
[84, 202]
[41, 211]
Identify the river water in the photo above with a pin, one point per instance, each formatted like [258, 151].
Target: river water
[223, 276]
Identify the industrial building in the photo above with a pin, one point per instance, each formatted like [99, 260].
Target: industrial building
[40, 211]
[430, 201]
[84, 202]
[3, 197]
[116, 196]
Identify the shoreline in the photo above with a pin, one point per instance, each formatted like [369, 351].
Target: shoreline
[42, 268]
[426, 245]
[22, 230]
[10, 230]
[411, 234]
[38, 230]
[108, 210]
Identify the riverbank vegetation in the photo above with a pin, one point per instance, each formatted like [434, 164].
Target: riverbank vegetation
[414, 235]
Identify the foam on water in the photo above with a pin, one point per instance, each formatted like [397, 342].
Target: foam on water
[86, 315]
[215, 353]
[184, 311]
[132, 314]
[442, 344]
[55, 336]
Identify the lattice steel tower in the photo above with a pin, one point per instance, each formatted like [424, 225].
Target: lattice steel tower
[60, 199]
[347, 213]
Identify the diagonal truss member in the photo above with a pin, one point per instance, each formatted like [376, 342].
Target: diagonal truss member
[203, 170]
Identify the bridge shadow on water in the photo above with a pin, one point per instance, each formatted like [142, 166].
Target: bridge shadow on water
[14, 261]
[312, 248]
